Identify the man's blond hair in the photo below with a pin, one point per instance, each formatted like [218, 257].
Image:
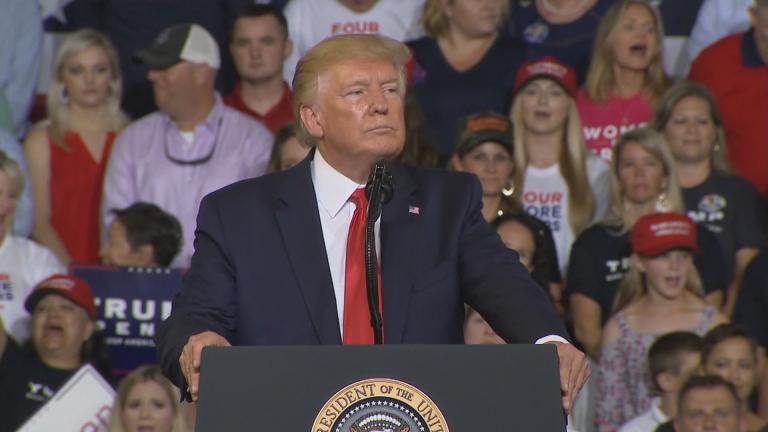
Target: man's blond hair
[320, 58]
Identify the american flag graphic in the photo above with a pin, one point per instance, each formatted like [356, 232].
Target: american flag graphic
[413, 210]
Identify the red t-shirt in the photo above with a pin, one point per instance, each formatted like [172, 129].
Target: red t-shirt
[274, 118]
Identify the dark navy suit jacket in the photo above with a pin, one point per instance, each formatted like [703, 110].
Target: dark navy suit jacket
[259, 274]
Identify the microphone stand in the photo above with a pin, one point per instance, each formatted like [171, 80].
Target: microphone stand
[379, 191]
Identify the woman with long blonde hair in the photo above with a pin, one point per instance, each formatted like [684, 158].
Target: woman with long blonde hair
[626, 75]
[660, 294]
[643, 181]
[555, 178]
[723, 203]
[67, 153]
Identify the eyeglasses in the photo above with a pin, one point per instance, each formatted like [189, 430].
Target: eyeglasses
[201, 160]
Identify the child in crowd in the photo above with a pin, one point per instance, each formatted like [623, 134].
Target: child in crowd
[643, 181]
[730, 353]
[672, 359]
[660, 294]
[142, 235]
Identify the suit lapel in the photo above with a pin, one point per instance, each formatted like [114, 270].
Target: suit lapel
[299, 222]
[399, 250]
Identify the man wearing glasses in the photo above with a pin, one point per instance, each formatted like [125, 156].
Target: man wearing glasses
[193, 145]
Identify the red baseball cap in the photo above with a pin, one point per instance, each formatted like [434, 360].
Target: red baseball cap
[657, 233]
[73, 288]
[547, 67]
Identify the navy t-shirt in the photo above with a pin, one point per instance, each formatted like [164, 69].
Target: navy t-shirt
[447, 95]
[600, 257]
[570, 43]
[752, 305]
[27, 384]
[678, 16]
[727, 207]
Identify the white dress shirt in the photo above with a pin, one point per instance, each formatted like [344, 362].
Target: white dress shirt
[647, 421]
[333, 190]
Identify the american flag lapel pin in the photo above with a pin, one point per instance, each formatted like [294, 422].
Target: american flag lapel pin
[413, 210]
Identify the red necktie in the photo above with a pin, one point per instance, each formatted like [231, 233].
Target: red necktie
[357, 318]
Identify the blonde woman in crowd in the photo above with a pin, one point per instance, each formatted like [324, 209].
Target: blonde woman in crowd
[147, 401]
[555, 178]
[67, 153]
[723, 203]
[660, 294]
[643, 181]
[625, 77]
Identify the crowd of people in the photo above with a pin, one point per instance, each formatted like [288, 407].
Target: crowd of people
[620, 147]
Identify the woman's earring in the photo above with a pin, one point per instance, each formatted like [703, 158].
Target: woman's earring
[63, 96]
[662, 203]
[510, 189]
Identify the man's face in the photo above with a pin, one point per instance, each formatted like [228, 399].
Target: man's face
[173, 86]
[357, 117]
[259, 48]
[709, 410]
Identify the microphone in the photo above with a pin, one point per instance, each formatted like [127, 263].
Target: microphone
[379, 190]
[379, 186]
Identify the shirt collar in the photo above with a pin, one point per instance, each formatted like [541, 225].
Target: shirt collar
[750, 57]
[332, 188]
[656, 412]
[211, 122]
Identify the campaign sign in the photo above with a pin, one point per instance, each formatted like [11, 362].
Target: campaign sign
[83, 404]
[131, 302]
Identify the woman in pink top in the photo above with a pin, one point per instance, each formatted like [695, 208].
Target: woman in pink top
[625, 76]
[67, 152]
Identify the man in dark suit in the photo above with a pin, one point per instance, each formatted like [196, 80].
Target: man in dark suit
[270, 268]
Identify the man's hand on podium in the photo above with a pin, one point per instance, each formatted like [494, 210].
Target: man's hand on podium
[190, 357]
[574, 371]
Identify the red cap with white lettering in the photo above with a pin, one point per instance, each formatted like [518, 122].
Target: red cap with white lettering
[73, 288]
[549, 68]
[657, 233]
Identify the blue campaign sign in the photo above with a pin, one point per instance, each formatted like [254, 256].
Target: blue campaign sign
[131, 302]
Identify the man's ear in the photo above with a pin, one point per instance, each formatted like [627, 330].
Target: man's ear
[665, 381]
[310, 118]
[146, 255]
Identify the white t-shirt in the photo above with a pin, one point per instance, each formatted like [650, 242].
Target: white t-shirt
[23, 263]
[545, 196]
[311, 21]
[647, 421]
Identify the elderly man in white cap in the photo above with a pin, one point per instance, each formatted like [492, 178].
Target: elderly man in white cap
[193, 145]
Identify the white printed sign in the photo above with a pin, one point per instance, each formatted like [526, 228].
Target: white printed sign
[81, 405]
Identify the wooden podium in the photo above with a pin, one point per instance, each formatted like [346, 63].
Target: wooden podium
[398, 388]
